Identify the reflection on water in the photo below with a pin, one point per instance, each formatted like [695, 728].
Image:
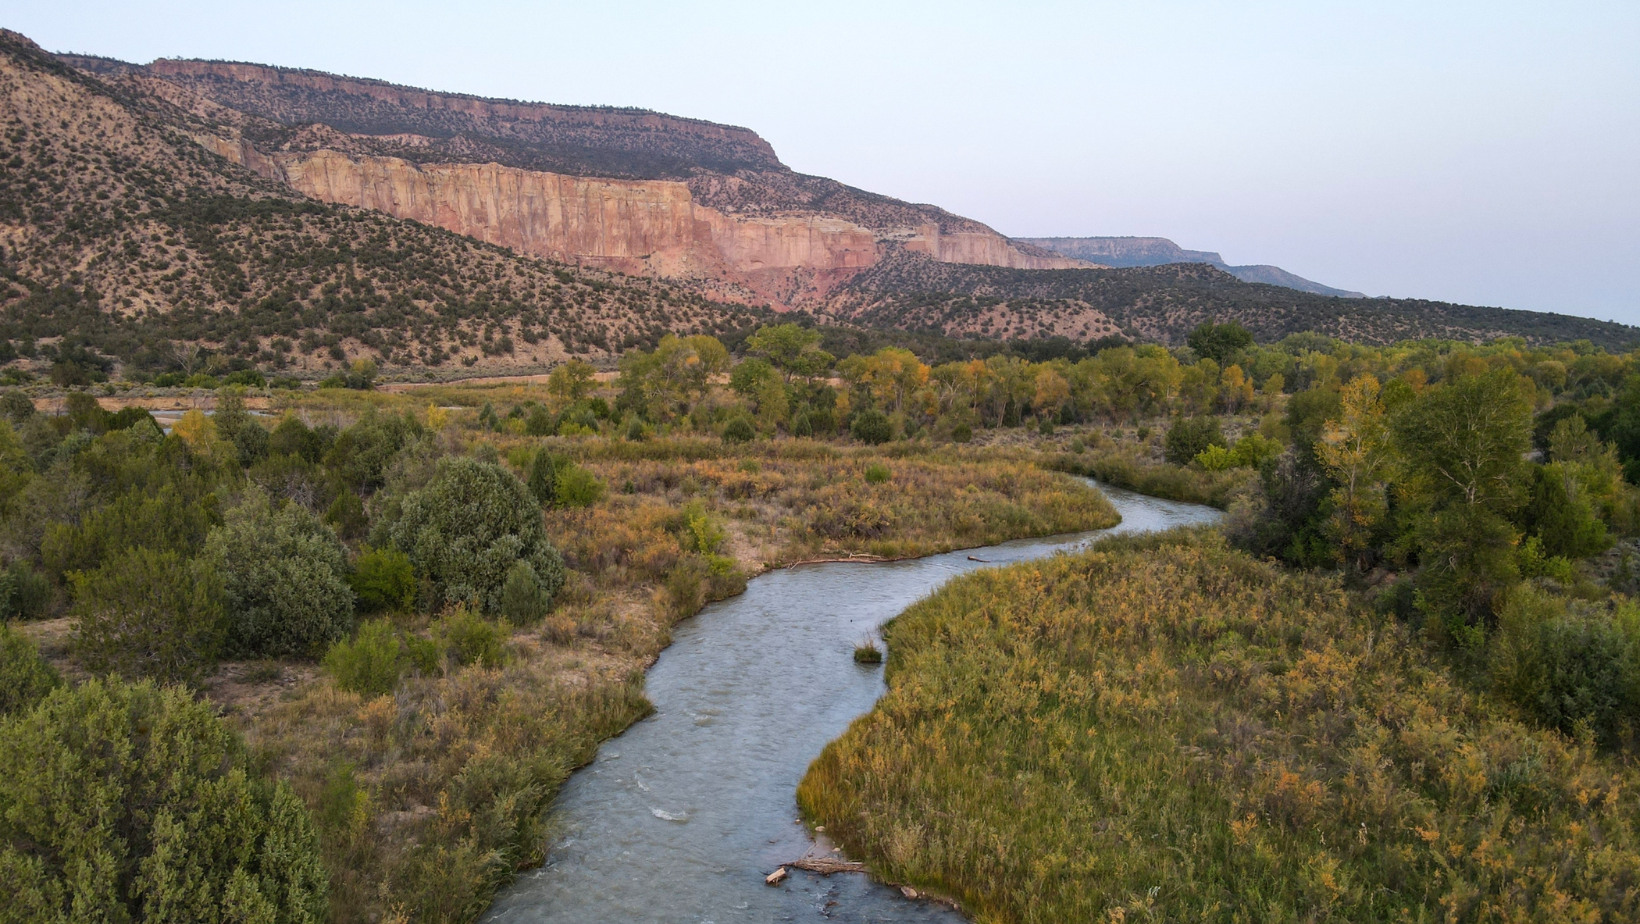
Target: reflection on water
[680, 818]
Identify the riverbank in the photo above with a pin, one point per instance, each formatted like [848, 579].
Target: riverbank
[433, 797]
[1166, 728]
[685, 814]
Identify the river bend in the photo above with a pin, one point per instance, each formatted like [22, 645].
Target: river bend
[679, 818]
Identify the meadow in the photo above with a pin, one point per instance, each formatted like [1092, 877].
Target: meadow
[1166, 729]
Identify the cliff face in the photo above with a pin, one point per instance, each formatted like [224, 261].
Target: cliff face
[1125, 251]
[631, 225]
[594, 140]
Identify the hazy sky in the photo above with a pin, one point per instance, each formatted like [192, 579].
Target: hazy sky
[1486, 153]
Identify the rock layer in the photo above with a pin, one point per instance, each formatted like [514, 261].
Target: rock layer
[631, 225]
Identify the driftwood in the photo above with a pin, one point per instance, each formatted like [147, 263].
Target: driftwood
[983, 561]
[825, 866]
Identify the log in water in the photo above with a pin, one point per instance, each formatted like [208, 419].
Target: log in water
[681, 818]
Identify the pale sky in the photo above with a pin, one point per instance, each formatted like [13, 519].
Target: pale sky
[1486, 153]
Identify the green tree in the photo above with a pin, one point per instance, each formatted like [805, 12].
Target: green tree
[872, 426]
[1189, 437]
[1219, 342]
[284, 578]
[149, 613]
[523, 599]
[792, 348]
[131, 803]
[570, 383]
[1462, 446]
[466, 530]
[543, 479]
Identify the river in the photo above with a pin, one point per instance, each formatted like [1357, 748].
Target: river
[679, 819]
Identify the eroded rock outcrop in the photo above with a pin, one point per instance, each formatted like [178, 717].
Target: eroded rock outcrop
[632, 225]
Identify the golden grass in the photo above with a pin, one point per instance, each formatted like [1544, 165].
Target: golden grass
[1166, 729]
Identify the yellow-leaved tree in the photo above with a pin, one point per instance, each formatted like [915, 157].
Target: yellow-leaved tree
[1355, 449]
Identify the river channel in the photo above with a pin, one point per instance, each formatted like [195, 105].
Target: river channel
[679, 818]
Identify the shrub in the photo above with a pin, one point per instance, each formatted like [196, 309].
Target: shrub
[543, 479]
[346, 515]
[383, 579]
[1567, 667]
[962, 433]
[16, 407]
[878, 473]
[739, 430]
[523, 599]
[370, 663]
[284, 578]
[469, 638]
[25, 677]
[697, 580]
[466, 529]
[577, 487]
[871, 426]
[701, 532]
[1190, 437]
[540, 422]
[23, 593]
[149, 613]
[131, 803]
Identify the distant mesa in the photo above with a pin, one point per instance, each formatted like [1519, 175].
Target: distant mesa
[1158, 251]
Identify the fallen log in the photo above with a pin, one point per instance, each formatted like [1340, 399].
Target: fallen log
[825, 866]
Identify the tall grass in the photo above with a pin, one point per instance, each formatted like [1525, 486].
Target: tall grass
[1128, 468]
[1166, 729]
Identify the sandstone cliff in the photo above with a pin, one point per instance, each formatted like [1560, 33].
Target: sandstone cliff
[631, 225]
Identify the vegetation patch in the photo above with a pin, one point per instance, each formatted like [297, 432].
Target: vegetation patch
[1168, 729]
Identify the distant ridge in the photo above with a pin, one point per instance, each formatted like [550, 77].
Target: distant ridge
[1158, 251]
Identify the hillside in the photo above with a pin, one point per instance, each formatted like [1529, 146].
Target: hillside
[1164, 303]
[624, 189]
[124, 235]
[1156, 251]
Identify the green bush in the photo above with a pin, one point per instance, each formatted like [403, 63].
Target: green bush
[1569, 667]
[369, 663]
[543, 479]
[148, 613]
[540, 422]
[523, 599]
[131, 803]
[469, 638]
[16, 407]
[284, 578]
[383, 579]
[1189, 437]
[878, 473]
[871, 426]
[25, 677]
[962, 433]
[466, 530]
[699, 530]
[577, 487]
[739, 430]
[23, 593]
[346, 515]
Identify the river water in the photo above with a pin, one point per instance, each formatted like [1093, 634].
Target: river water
[679, 819]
